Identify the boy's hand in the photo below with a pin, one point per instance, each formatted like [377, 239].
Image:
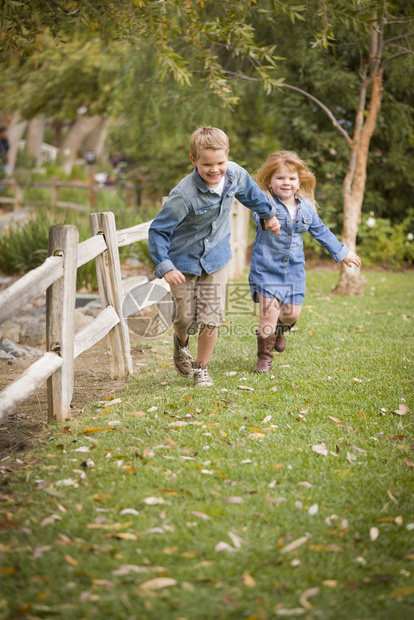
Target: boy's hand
[352, 259]
[174, 277]
[273, 225]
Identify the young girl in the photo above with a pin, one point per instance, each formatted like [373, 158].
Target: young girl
[277, 273]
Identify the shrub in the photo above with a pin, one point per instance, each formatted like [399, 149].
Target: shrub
[381, 242]
[24, 246]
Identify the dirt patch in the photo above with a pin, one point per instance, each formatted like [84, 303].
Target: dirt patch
[27, 425]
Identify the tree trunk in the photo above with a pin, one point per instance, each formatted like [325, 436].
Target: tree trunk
[15, 132]
[350, 281]
[34, 138]
[77, 134]
[57, 133]
[95, 141]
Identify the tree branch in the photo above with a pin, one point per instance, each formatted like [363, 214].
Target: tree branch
[61, 8]
[327, 111]
[401, 36]
[387, 60]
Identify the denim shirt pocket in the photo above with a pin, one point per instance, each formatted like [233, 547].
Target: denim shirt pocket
[302, 223]
[201, 209]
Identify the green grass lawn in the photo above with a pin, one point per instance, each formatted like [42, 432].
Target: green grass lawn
[183, 503]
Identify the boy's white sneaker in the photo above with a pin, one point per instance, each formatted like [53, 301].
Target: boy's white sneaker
[202, 377]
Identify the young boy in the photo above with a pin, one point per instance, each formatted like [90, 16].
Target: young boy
[189, 241]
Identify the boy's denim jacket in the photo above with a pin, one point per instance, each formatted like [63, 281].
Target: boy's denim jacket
[192, 230]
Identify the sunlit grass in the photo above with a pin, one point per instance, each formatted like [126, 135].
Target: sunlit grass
[233, 466]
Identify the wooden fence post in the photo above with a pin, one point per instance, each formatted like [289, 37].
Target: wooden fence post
[108, 271]
[60, 320]
[18, 197]
[53, 193]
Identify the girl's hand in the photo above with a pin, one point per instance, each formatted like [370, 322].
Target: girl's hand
[352, 259]
[174, 277]
[273, 225]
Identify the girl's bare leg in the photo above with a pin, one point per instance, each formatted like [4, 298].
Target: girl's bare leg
[269, 309]
[289, 314]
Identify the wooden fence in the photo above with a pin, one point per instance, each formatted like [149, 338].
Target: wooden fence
[57, 276]
[55, 185]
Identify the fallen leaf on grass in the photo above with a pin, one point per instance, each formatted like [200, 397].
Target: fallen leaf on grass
[303, 599]
[401, 592]
[391, 496]
[126, 569]
[137, 414]
[358, 450]
[190, 554]
[331, 583]
[50, 520]
[313, 509]
[373, 533]
[236, 540]
[248, 580]
[402, 410]
[294, 544]
[408, 462]
[152, 501]
[295, 611]
[67, 482]
[157, 584]
[255, 435]
[333, 548]
[129, 511]
[223, 546]
[304, 484]
[108, 526]
[234, 500]
[201, 515]
[320, 449]
[125, 536]
[228, 401]
[245, 387]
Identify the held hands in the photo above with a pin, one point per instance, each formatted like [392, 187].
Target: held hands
[174, 277]
[273, 225]
[352, 259]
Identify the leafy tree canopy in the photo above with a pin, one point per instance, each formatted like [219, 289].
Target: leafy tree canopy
[189, 37]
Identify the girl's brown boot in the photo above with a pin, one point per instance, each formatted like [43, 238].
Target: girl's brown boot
[280, 340]
[264, 352]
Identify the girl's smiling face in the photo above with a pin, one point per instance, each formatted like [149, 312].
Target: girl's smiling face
[211, 165]
[284, 184]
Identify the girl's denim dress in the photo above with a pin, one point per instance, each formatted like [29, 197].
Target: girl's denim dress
[278, 262]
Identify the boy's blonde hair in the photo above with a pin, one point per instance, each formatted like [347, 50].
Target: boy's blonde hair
[291, 161]
[208, 138]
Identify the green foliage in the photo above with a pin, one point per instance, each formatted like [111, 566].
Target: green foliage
[385, 243]
[191, 37]
[217, 479]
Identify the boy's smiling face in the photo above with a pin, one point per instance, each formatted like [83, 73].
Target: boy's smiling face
[211, 165]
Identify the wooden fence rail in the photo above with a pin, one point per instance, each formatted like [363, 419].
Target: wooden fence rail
[57, 276]
[54, 185]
